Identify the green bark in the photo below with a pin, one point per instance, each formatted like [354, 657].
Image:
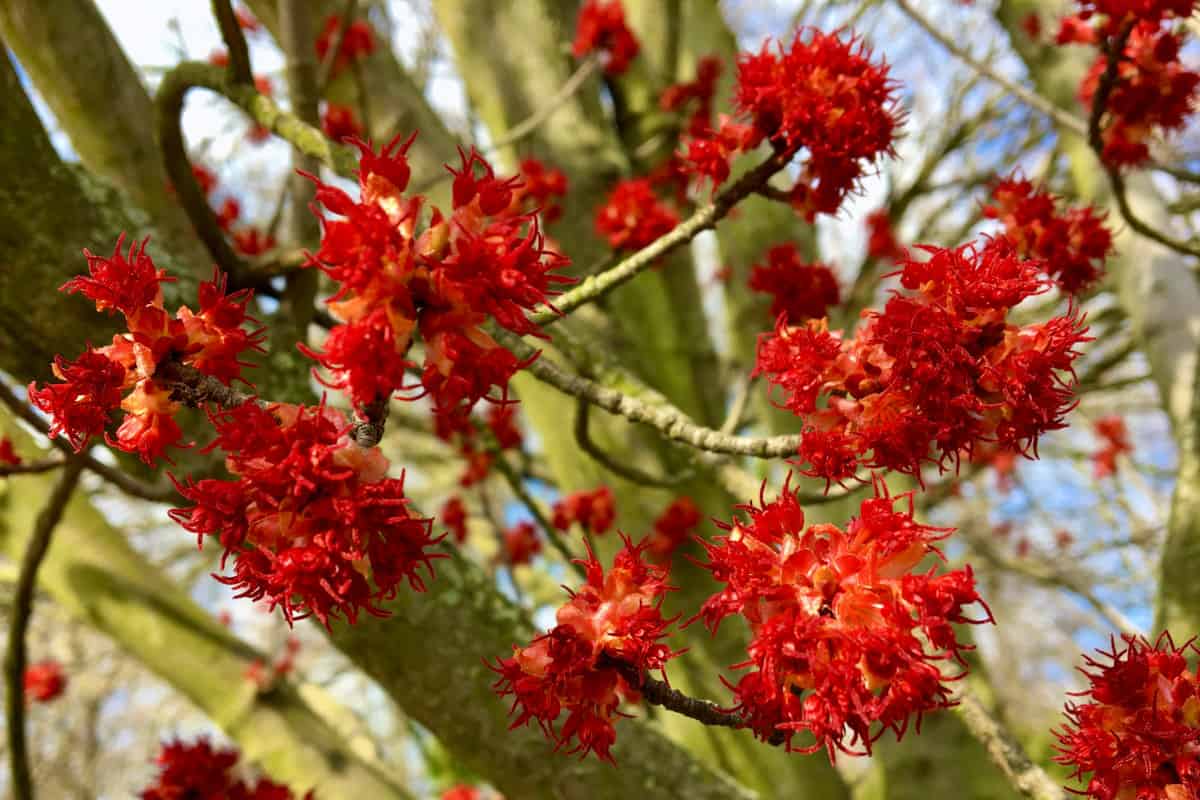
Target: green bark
[98, 98]
[98, 578]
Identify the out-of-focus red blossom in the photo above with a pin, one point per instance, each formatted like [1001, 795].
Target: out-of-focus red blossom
[311, 521]
[594, 511]
[846, 639]
[339, 122]
[44, 681]
[246, 20]
[1003, 463]
[633, 216]
[932, 375]
[1138, 733]
[454, 517]
[674, 526]
[357, 42]
[696, 94]
[461, 792]
[614, 617]
[257, 134]
[123, 374]
[265, 678]
[1063, 539]
[521, 543]
[540, 186]
[799, 291]
[881, 238]
[264, 86]
[250, 241]
[205, 178]
[484, 260]
[199, 771]
[1072, 244]
[1024, 546]
[1153, 91]
[228, 213]
[1031, 23]
[219, 58]
[710, 152]
[8, 455]
[456, 427]
[1114, 438]
[823, 95]
[601, 28]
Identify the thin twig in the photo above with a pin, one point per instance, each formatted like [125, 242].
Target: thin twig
[531, 123]
[31, 467]
[1005, 751]
[22, 610]
[627, 471]
[235, 43]
[126, 483]
[1027, 96]
[705, 218]
[667, 419]
[531, 505]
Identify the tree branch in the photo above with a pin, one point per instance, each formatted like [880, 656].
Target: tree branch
[627, 471]
[235, 43]
[22, 610]
[1005, 751]
[595, 286]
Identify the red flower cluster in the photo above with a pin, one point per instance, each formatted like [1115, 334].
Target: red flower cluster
[633, 216]
[339, 122]
[844, 635]
[821, 95]
[540, 185]
[697, 93]
[799, 291]
[357, 42]
[458, 427]
[312, 522]
[1139, 735]
[594, 511]
[1115, 441]
[1072, 244]
[201, 772]
[1153, 89]
[7, 454]
[123, 373]
[934, 373]
[443, 283]
[613, 618]
[673, 527]
[521, 544]
[44, 681]
[265, 677]
[248, 240]
[601, 27]
[881, 239]
[454, 517]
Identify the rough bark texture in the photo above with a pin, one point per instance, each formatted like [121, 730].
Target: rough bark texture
[98, 98]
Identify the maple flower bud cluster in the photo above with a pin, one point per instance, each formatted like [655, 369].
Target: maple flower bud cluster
[672, 528]
[594, 511]
[1138, 733]
[799, 291]
[486, 260]
[614, 618]
[881, 238]
[339, 122]
[937, 371]
[311, 520]
[1072, 244]
[246, 239]
[44, 681]
[358, 41]
[1114, 437]
[847, 637]
[125, 375]
[601, 29]
[1153, 91]
[8, 454]
[820, 95]
[199, 770]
